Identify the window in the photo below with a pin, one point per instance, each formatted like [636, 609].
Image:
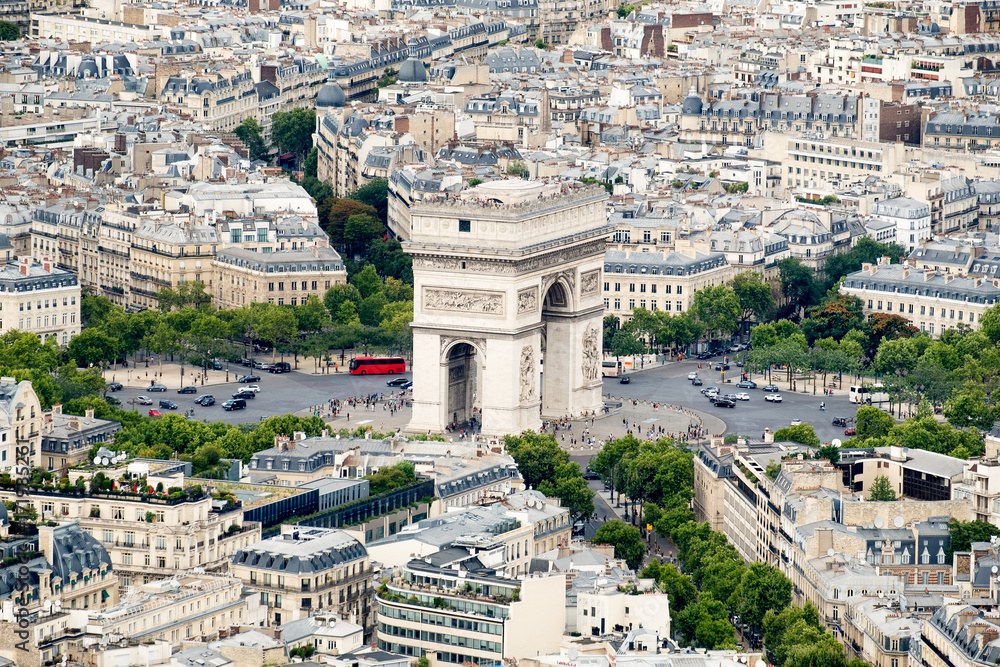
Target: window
[236, 235]
[464, 226]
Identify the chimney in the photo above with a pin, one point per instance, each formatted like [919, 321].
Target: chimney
[46, 543]
[768, 436]
[47, 264]
[24, 265]
[948, 278]
[928, 274]
[89, 413]
[74, 423]
[299, 435]
[57, 409]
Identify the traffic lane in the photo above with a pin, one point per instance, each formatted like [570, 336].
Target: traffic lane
[280, 393]
[751, 417]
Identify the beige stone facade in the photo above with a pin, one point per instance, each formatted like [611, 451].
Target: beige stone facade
[286, 277]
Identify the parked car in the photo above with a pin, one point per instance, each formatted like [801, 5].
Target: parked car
[396, 382]
[773, 398]
[235, 404]
[724, 403]
[742, 396]
[697, 382]
[168, 405]
[578, 529]
[746, 384]
[247, 379]
[243, 393]
[155, 413]
[262, 365]
[205, 400]
[156, 387]
[114, 386]
[850, 431]
[771, 387]
[625, 379]
[111, 400]
[190, 389]
[217, 365]
[244, 361]
[280, 367]
[692, 375]
[143, 400]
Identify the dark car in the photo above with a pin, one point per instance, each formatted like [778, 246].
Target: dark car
[247, 379]
[406, 385]
[205, 400]
[697, 382]
[839, 421]
[578, 529]
[168, 405]
[724, 403]
[747, 384]
[280, 367]
[246, 362]
[111, 400]
[190, 389]
[235, 404]
[771, 387]
[396, 382]
[722, 367]
[216, 365]
[705, 355]
[115, 386]
[156, 387]
[245, 393]
[590, 474]
[625, 379]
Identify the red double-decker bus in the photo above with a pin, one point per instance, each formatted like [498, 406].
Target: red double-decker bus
[372, 365]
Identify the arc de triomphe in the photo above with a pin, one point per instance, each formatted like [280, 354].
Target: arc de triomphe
[507, 285]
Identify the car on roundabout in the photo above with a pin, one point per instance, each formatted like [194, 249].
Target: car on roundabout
[773, 398]
[771, 387]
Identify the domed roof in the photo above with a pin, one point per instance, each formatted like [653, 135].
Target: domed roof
[413, 71]
[87, 68]
[691, 106]
[331, 95]
[11, 216]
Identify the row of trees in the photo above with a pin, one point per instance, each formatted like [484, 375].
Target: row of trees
[545, 466]
[367, 311]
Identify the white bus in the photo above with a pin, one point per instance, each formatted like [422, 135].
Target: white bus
[611, 369]
[863, 394]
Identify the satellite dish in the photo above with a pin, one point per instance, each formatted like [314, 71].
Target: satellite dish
[835, 442]
[898, 522]
[878, 522]
[906, 450]
[104, 461]
[881, 594]
[829, 552]
[995, 569]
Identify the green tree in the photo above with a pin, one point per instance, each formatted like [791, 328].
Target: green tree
[718, 309]
[705, 624]
[755, 297]
[389, 260]
[833, 318]
[989, 323]
[626, 342]
[625, 10]
[624, 538]
[970, 406]
[93, 346]
[362, 230]
[897, 354]
[871, 422]
[803, 434]
[312, 316]
[537, 456]
[251, 134]
[277, 324]
[374, 193]
[964, 533]
[762, 588]
[9, 32]
[367, 281]
[829, 452]
[334, 213]
[292, 131]
[338, 294]
[516, 168]
[881, 489]
[310, 166]
[798, 283]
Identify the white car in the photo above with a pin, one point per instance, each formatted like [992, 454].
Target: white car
[143, 400]
[796, 422]
[742, 396]
[251, 387]
[692, 375]
[774, 398]
[712, 394]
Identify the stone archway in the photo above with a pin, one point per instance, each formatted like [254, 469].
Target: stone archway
[495, 285]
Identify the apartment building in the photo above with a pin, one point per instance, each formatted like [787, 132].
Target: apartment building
[306, 570]
[739, 122]
[66, 440]
[187, 608]
[980, 484]
[660, 279]
[39, 298]
[166, 253]
[988, 195]
[929, 299]
[880, 631]
[220, 100]
[21, 421]
[79, 28]
[962, 132]
[911, 218]
[455, 606]
[147, 536]
[283, 277]
[606, 609]
[960, 635]
[56, 231]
